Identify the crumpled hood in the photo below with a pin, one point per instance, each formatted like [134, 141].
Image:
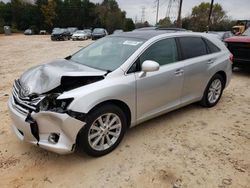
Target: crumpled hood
[43, 78]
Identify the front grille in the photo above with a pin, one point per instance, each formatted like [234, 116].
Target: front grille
[23, 103]
[240, 50]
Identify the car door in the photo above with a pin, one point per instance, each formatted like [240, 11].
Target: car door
[197, 62]
[159, 91]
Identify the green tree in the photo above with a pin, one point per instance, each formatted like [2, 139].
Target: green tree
[165, 22]
[129, 25]
[110, 16]
[46, 14]
[199, 17]
[49, 12]
[5, 14]
[140, 25]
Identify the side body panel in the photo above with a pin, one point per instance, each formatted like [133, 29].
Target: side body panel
[159, 92]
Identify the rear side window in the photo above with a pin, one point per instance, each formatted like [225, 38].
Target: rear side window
[192, 47]
[212, 48]
[163, 52]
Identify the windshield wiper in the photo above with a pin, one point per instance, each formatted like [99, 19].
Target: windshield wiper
[108, 71]
[68, 57]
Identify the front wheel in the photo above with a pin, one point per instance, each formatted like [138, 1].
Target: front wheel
[104, 130]
[213, 91]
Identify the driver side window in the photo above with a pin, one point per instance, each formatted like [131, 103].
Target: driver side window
[163, 52]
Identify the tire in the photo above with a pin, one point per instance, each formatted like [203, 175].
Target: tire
[212, 93]
[94, 138]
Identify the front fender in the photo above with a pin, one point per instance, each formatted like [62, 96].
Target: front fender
[122, 88]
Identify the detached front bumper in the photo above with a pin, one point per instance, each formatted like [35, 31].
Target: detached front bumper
[44, 124]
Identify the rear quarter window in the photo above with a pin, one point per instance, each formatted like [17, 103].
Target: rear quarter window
[212, 48]
[192, 47]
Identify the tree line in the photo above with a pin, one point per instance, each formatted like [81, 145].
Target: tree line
[47, 14]
[198, 19]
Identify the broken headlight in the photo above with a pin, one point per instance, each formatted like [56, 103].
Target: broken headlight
[51, 103]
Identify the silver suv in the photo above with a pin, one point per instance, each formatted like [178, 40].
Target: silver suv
[89, 99]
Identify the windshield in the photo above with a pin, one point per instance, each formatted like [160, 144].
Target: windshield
[247, 32]
[98, 31]
[87, 30]
[235, 30]
[57, 31]
[107, 53]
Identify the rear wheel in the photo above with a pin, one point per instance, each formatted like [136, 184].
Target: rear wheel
[213, 91]
[104, 130]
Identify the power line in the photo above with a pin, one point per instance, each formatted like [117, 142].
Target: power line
[173, 9]
[136, 19]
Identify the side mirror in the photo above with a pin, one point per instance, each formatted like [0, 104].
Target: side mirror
[149, 66]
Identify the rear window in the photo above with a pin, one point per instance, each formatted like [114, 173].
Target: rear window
[212, 48]
[192, 47]
[98, 31]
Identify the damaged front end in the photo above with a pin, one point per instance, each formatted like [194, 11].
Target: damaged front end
[44, 120]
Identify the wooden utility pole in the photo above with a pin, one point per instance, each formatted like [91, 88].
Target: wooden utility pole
[157, 11]
[209, 16]
[178, 24]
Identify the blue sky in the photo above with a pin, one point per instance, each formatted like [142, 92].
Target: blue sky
[236, 9]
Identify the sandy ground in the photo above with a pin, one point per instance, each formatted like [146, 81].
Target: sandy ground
[190, 147]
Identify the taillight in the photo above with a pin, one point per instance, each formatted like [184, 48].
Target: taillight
[231, 57]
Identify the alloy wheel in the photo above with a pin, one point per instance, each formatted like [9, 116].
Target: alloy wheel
[214, 91]
[104, 131]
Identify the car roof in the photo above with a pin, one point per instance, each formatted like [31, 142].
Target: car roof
[146, 34]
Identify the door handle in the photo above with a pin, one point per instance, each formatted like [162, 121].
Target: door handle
[179, 72]
[210, 61]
